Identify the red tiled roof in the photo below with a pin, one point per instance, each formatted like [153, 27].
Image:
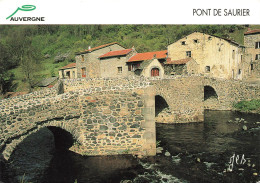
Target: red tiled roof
[181, 61]
[252, 31]
[148, 56]
[71, 65]
[116, 53]
[98, 47]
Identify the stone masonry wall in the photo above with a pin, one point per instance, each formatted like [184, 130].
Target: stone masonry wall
[184, 95]
[102, 120]
[249, 42]
[113, 122]
[46, 92]
[230, 92]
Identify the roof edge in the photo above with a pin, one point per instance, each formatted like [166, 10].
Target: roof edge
[96, 48]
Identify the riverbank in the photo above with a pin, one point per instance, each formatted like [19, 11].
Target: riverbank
[252, 106]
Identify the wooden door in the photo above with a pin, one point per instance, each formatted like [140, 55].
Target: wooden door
[155, 72]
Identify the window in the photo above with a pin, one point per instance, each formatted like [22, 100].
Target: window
[119, 70]
[252, 67]
[257, 45]
[183, 42]
[83, 72]
[257, 56]
[196, 41]
[82, 58]
[129, 67]
[188, 53]
[68, 74]
[209, 38]
[233, 54]
[239, 71]
[133, 66]
[207, 68]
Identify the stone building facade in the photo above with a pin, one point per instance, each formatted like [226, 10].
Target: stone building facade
[216, 57]
[197, 53]
[88, 63]
[148, 64]
[187, 66]
[114, 63]
[252, 44]
[68, 72]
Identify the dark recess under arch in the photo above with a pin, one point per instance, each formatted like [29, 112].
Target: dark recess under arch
[62, 138]
[209, 92]
[160, 104]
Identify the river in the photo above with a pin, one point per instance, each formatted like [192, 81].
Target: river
[223, 148]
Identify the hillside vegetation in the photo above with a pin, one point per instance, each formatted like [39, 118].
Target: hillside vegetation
[29, 53]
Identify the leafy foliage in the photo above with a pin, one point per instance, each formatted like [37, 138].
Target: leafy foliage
[248, 106]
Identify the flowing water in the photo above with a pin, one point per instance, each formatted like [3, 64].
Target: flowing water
[224, 148]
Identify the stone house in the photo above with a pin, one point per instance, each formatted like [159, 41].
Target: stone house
[252, 44]
[213, 56]
[68, 72]
[148, 64]
[114, 63]
[181, 67]
[88, 62]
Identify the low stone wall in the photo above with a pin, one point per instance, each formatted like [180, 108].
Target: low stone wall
[104, 83]
[18, 100]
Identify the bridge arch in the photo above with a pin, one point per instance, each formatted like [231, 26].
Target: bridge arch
[160, 104]
[210, 93]
[60, 130]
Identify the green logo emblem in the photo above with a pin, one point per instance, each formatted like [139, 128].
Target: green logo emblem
[23, 8]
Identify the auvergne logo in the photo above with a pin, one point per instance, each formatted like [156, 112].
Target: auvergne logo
[25, 8]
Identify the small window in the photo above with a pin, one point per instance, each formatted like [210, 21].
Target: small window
[257, 45]
[252, 67]
[133, 67]
[183, 43]
[207, 68]
[83, 72]
[257, 56]
[209, 38]
[188, 53]
[82, 58]
[119, 70]
[233, 54]
[129, 67]
[239, 71]
[68, 74]
[196, 41]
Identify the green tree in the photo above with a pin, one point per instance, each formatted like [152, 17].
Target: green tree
[25, 55]
[6, 78]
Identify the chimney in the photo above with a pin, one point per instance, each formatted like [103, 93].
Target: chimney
[248, 29]
[89, 47]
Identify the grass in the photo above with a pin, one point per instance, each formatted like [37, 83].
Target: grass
[248, 106]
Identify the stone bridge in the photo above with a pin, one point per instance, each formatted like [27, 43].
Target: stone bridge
[115, 116]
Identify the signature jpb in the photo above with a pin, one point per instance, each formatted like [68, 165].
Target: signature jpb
[236, 159]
